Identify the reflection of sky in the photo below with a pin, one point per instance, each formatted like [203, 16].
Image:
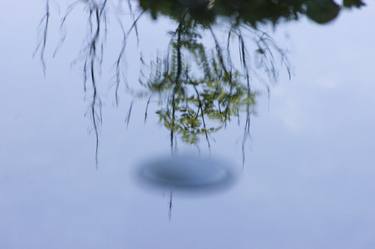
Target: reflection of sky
[308, 182]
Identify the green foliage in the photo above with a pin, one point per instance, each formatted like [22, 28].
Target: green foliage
[201, 94]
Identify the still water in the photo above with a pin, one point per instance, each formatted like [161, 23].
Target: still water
[297, 141]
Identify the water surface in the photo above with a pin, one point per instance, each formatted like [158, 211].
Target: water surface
[308, 177]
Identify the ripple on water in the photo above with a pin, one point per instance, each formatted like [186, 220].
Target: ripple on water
[187, 174]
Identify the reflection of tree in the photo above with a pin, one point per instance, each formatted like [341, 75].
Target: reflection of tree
[201, 87]
[198, 94]
[251, 12]
[43, 27]
[91, 54]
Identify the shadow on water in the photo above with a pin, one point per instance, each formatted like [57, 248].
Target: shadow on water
[205, 79]
[186, 174]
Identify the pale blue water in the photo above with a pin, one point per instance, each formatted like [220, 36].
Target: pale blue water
[308, 178]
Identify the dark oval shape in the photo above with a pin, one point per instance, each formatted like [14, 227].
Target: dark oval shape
[186, 173]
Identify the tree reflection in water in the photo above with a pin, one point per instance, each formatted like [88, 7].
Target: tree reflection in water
[203, 82]
[202, 88]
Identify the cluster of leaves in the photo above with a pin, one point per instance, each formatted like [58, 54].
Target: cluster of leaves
[198, 92]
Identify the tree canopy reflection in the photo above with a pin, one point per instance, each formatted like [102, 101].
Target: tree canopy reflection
[250, 12]
[203, 81]
[201, 88]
